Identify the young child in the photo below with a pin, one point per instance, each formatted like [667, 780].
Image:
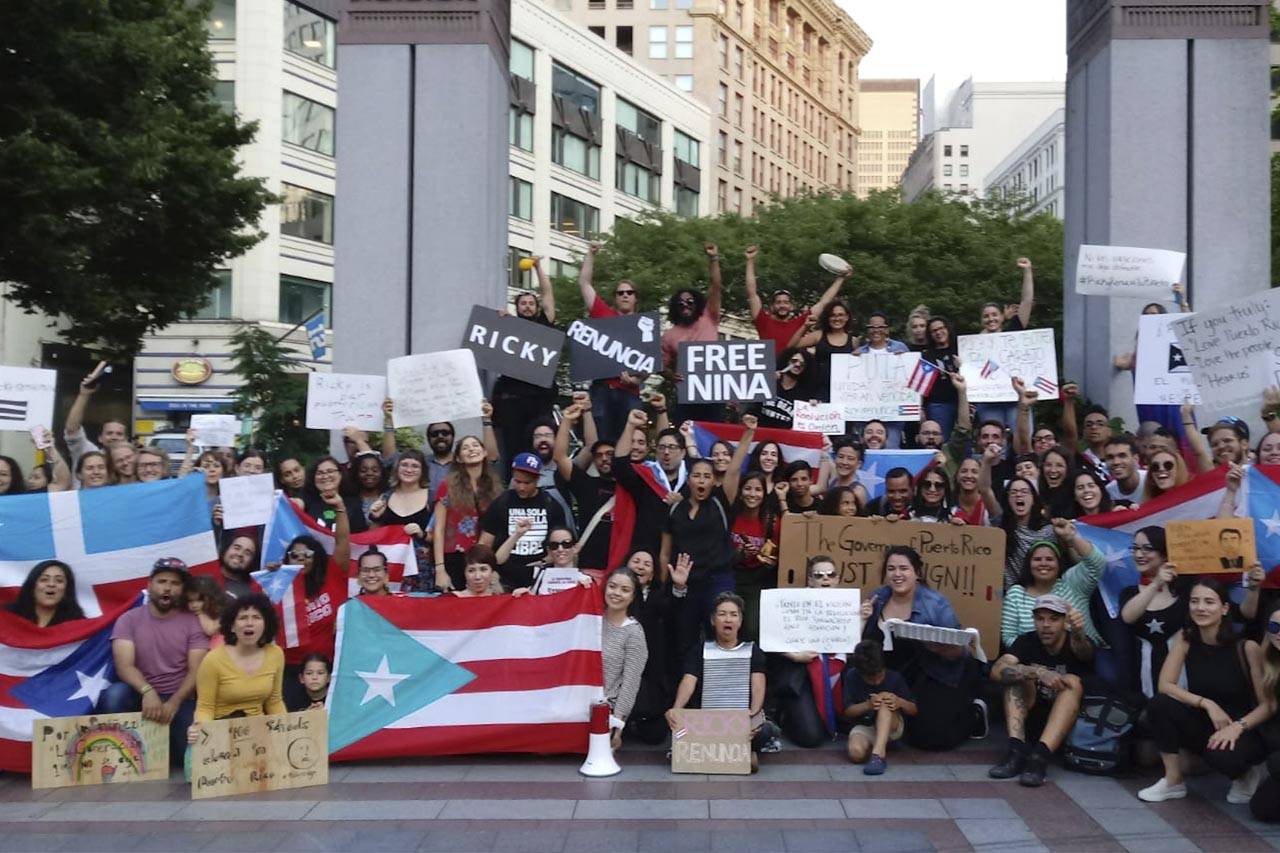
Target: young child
[875, 699]
[206, 599]
[314, 676]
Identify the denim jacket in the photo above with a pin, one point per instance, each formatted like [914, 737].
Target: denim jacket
[929, 607]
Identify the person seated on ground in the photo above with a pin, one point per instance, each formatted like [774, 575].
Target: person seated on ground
[1042, 674]
[944, 678]
[622, 649]
[1265, 804]
[1042, 574]
[244, 676]
[157, 649]
[877, 700]
[372, 575]
[736, 678]
[660, 610]
[48, 595]
[1155, 611]
[206, 601]
[1218, 713]
[317, 669]
[481, 575]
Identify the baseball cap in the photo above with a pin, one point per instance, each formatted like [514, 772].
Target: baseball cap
[527, 462]
[170, 564]
[782, 291]
[1229, 422]
[1051, 602]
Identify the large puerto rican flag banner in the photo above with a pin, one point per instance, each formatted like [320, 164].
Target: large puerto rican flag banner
[454, 675]
[287, 521]
[110, 536]
[50, 672]
[877, 463]
[795, 445]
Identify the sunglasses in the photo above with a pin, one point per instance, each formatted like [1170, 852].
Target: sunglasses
[932, 484]
[301, 553]
[822, 575]
[561, 545]
[439, 433]
[1162, 467]
[1273, 627]
[624, 293]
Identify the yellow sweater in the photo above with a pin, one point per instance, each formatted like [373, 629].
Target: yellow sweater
[222, 688]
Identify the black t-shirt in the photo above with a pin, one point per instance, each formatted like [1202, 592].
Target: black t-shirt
[505, 386]
[1154, 630]
[704, 537]
[857, 690]
[499, 520]
[693, 666]
[943, 391]
[589, 494]
[779, 412]
[328, 519]
[1031, 652]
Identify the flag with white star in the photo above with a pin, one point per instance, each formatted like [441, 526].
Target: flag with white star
[1264, 508]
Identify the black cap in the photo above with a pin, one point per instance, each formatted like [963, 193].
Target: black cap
[1229, 422]
[170, 564]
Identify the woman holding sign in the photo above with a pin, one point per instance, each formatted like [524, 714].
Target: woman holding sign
[1154, 611]
[944, 678]
[244, 676]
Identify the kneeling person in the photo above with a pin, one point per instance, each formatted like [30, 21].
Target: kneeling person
[1042, 676]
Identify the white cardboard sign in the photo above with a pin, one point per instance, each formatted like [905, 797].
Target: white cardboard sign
[810, 620]
[215, 430]
[247, 501]
[26, 397]
[1162, 375]
[873, 386]
[340, 400]
[988, 363]
[825, 418]
[1128, 271]
[434, 386]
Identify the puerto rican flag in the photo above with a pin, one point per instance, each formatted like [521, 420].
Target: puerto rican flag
[877, 463]
[287, 521]
[285, 589]
[59, 671]
[1046, 387]
[452, 675]
[110, 536]
[1263, 501]
[989, 367]
[922, 378]
[806, 446]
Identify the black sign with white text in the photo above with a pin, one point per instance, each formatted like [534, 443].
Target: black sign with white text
[726, 371]
[510, 346]
[606, 347]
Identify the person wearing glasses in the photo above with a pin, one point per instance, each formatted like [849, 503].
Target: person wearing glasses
[372, 575]
[326, 492]
[517, 403]
[781, 321]
[933, 497]
[694, 317]
[808, 718]
[650, 507]
[1155, 610]
[611, 399]
[825, 336]
[1166, 471]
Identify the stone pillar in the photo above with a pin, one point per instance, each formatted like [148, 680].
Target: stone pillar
[1167, 147]
[421, 218]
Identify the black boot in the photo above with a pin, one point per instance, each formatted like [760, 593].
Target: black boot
[1036, 766]
[1012, 763]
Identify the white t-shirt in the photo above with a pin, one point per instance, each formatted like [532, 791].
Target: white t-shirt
[1113, 489]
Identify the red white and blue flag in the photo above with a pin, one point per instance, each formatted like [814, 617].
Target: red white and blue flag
[451, 675]
[796, 445]
[922, 378]
[877, 463]
[909, 410]
[988, 368]
[109, 536]
[285, 588]
[1046, 387]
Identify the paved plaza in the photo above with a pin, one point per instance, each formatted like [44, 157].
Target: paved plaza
[802, 800]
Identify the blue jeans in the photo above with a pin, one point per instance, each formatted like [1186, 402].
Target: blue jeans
[610, 407]
[120, 698]
[945, 415]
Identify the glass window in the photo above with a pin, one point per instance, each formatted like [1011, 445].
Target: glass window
[637, 181]
[306, 213]
[946, 170]
[224, 92]
[722, 148]
[219, 305]
[964, 150]
[520, 131]
[964, 170]
[946, 151]
[686, 201]
[574, 153]
[657, 4]
[301, 297]
[309, 35]
[684, 82]
[221, 23]
[724, 51]
[564, 269]
[517, 278]
[307, 123]
[642, 124]
[574, 217]
[686, 149]
[684, 42]
[520, 202]
[521, 63]
[575, 89]
[657, 42]
[737, 62]
[722, 101]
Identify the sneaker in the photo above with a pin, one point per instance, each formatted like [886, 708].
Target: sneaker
[774, 745]
[980, 724]
[875, 766]
[1012, 763]
[1033, 773]
[1242, 789]
[1161, 791]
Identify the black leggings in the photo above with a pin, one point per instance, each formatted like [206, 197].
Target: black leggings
[1175, 726]
[1265, 804]
[794, 704]
[945, 716]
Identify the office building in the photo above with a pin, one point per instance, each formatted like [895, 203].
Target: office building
[889, 112]
[1033, 170]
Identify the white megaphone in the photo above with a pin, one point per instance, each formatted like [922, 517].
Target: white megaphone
[599, 751]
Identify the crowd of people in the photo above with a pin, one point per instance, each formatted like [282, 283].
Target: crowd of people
[681, 540]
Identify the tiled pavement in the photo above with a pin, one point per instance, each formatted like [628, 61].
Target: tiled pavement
[800, 801]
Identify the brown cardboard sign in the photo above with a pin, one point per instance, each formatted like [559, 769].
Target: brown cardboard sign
[244, 755]
[98, 749]
[1212, 546]
[715, 741]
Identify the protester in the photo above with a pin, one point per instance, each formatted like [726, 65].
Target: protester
[236, 562]
[808, 715]
[151, 464]
[659, 608]
[291, 478]
[48, 595]
[481, 575]
[92, 470]
[1055, 488]
[932, 500]
[372, 574]
[794, 384]
[878, 701]
[462, 498]
[841, 500]
[440, 438]
[317, 670]
[622, 649]
[612, 400]
[593, 495]
[767, 458]
[917, 337]
[78, 443]
[1165, 472]
[830, 334]
[1155, 610]
[1042, 574]
[798, 477]
[251, 462]
[214, 469]
[1089, 494]
[646, 488]
[368, 481]
[1008, 318]
[120, 461]
[1127, 479]
[755, 529]
[941, 403]
[875, 435]
[781, 321]
[517, 403]
[523, 501]
[694, 317]
[408, 503]
[207, 601]
[244, 677]
[1265, 804]
[324, 482]
[699, 526]
[970, 507]
[1018, 511]
[895, 503]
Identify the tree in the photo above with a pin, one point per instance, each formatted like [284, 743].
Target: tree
[273, 394]
[117, 166]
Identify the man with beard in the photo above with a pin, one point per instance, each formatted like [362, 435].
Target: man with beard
[592, 494]
[542, 441]
[236, 561]
[780, 323]
[896, 500]
[611, 399]
[157, 649]
[694, 317]
[515, 402]
[440, 440]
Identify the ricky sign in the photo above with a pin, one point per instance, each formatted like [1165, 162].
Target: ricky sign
[510, 346]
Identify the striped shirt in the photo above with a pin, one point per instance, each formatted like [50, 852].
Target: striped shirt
[625, 653]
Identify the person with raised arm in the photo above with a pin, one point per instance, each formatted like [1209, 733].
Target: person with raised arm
[611, 399]
[781, 321]
[694, 318]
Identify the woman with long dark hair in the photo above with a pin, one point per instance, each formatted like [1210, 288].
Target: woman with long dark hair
[622, 647]
[699, 526]
[467, 490]
[942, 401]
[1089, 494]
[1155, 610]
[1019, 511]
[830, 334]
[48, 595]
[324, 479]
[932, 500]
[659, 607]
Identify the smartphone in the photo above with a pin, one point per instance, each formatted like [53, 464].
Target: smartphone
[42, 437]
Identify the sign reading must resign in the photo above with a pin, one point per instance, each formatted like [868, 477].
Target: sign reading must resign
[726, 371]
[964, 563]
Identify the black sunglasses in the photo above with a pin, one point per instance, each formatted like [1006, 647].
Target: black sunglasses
[439, 433]
[1162, 467]
[559, 545]
[1273, 627]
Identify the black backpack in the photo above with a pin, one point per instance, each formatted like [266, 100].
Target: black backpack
[1099, 740]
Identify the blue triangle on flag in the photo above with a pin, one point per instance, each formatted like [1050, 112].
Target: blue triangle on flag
[383, 675]
[276, 584]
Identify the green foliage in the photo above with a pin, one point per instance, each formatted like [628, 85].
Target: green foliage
[274, 394]
[947, 254]
[117, 166]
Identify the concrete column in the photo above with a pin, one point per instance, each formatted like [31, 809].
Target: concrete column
[1167, 146]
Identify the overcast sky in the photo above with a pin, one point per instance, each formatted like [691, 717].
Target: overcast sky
[992, 40]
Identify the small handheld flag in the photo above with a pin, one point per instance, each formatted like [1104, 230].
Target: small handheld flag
[922, 378]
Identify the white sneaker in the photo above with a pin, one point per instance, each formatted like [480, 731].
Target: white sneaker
[1161, 791]
[1242, 789]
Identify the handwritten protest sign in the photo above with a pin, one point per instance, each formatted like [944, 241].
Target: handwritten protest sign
[511, 346]
[964, 563]
[1127, 271]
[553, 579]
[340, 400]
[825, 418]
[874, 386]
[603, 348]
[434, 386]
[247, 500]
[215, 430]
[988, 362]
[98, 749]
[1162, 375]
[26, 397]
[810, 620]
[726, 371]
[245, 755]
[1231, 348]
[1211, 546]
[715, 741]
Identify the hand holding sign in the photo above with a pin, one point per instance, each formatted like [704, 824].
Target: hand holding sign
[436, 386]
